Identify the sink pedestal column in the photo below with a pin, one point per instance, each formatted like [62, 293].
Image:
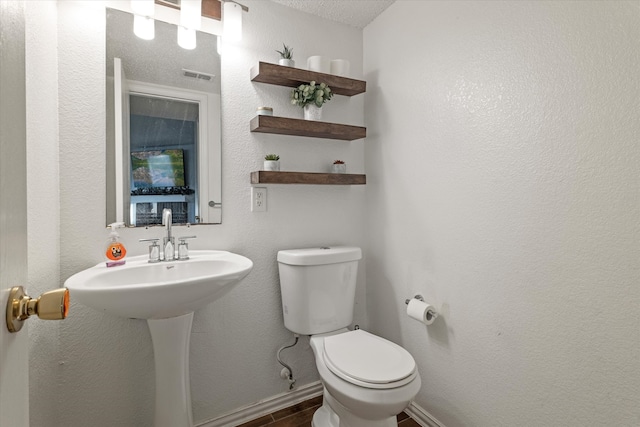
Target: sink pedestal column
[171, 354]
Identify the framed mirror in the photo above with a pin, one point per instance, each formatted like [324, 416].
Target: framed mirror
[163, 126]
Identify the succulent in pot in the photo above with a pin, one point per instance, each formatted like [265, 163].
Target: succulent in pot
[339, 166]
[272, 162]
[286, 56]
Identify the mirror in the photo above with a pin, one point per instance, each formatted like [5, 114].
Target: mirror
[163, 126]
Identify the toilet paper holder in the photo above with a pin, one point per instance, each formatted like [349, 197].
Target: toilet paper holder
[430, 314]
[418, 297]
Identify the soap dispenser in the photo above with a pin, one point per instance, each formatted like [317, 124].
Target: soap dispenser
[115, 251]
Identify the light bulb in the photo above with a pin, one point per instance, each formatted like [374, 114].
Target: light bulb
[143, 7]
[220, 46]
[186, 38]
[190, 13]
[143, 27]
[232, 22]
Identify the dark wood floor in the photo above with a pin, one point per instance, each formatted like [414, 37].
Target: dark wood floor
[300, 415]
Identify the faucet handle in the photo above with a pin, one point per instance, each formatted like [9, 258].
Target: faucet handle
[154, 250]
[183, 247]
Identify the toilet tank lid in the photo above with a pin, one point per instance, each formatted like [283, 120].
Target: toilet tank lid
[320, 256]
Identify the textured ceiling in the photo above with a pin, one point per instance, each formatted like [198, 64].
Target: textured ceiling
[357, 13]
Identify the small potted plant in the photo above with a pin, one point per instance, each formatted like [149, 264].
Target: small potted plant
[286, 56]
[339, 166]
[311, 97]
[272, 162]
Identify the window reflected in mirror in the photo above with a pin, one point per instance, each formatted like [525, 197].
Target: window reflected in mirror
[164, 147]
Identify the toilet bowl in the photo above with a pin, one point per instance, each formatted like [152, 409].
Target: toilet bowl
[367, 379]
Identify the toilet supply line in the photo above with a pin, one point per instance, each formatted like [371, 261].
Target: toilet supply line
[287, 372]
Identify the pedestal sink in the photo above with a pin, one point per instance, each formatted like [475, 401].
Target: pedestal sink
[165, 294]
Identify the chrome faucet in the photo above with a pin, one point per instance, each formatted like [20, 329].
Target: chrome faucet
[168, 245]
[168, 242]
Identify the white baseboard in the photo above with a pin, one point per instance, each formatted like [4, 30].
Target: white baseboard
[266, 406]
[422, 417]
[285, 400]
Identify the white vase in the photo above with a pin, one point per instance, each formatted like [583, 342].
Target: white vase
[312, 112]
[319, 63]
[339, 168]
[287, 62]
[272, 165]
[340, 67]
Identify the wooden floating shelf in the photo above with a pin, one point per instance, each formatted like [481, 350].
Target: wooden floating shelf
[272, 177]
[310, 128]
[280, 75]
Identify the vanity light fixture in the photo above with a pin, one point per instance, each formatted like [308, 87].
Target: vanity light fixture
[143, 23]
[191, 13]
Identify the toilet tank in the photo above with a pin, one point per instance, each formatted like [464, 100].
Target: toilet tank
[318, 287]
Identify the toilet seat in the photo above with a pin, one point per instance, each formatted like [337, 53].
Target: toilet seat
[367, 360]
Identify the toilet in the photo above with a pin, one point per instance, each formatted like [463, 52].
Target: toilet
[367, 379]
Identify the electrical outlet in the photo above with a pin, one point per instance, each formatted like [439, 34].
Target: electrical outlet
[258, 199]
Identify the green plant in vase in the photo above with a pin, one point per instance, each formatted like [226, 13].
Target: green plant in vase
[311, 97]
[286, 56]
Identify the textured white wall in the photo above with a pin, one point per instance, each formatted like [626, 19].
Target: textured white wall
[103, 366]
[503, 185]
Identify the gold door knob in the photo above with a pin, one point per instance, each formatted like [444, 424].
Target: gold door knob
[52, 305]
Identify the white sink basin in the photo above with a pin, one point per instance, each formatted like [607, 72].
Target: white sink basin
[142, 290]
